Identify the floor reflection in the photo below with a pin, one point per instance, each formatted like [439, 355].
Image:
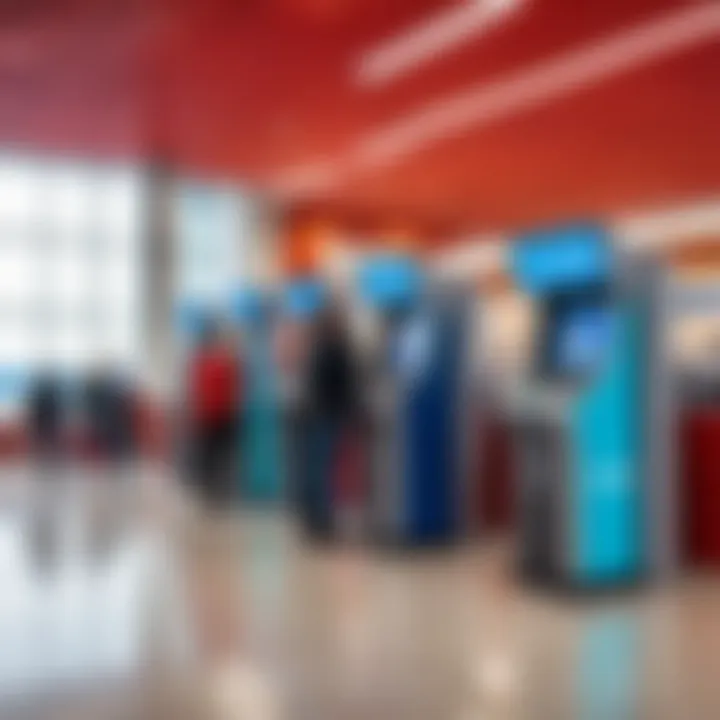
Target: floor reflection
[120, 600]
[78, 576]
[608, 666]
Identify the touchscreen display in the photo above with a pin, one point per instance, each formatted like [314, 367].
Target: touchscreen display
[582, 336]
[576, 336]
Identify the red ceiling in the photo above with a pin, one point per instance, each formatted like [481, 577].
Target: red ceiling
[256, 89]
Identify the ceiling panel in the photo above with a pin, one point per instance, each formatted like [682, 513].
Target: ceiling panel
[266, 90]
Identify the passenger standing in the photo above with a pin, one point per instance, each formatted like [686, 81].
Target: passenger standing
[46, 419]
[109, 409]
[332, 396]
[215, 386]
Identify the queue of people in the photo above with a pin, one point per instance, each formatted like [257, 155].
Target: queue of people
[95, 417]
[217, 393]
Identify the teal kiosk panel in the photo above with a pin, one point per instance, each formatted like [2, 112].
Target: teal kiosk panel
[582, 424]
[260, 443]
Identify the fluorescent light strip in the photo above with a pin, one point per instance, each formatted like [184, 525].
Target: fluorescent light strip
[572, 71]
[301, 180]
[487, 103]
[431, 38]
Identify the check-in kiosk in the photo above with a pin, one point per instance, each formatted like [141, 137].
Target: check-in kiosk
[594, 436]
[418, 392]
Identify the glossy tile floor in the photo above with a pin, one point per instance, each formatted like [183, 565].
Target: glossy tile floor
[118, 600]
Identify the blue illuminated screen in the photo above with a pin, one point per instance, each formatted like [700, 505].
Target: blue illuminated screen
[551, 260]
[304, 298]
[390, 281]
[579, 339]
[586, 334]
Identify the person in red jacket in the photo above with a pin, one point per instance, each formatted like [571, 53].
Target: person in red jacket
[215, 386]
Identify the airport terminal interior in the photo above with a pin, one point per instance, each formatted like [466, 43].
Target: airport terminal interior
[360, 360]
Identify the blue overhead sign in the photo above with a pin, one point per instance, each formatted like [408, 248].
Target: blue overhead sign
[304, 297]
[250, 305]
[562, 257]
[390, 281]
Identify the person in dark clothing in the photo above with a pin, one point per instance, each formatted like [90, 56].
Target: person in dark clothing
[332, 374]
[108, 409]
[45, 417]
[46, 420]
[332, 388]
[214, 399]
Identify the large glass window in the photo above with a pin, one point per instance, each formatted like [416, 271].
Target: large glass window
[69, 268]
[208, 226]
